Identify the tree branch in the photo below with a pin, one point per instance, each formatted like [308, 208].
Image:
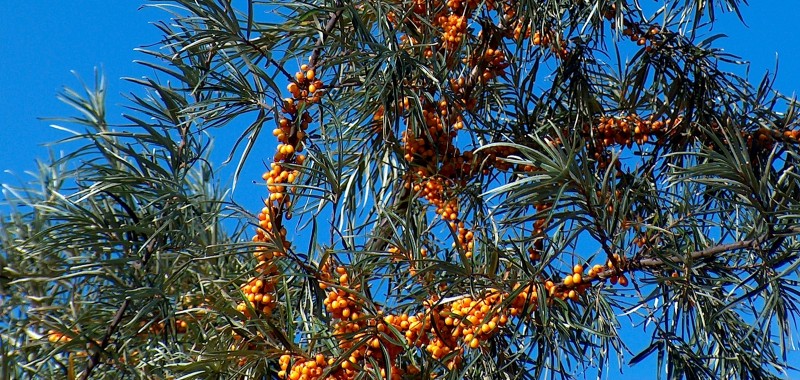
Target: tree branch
[327, 30]
[94, 360]
[701, 254]
[635, 265]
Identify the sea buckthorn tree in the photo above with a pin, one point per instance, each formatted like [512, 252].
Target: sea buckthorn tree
[454, 189]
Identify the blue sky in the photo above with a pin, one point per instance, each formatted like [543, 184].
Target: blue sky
[43, 41]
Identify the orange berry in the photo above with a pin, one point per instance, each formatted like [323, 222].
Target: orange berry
[573, 295]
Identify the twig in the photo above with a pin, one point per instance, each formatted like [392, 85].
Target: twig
[312, 61]
[654, 263]
[705, 253]
[94, 360]
[271, 60]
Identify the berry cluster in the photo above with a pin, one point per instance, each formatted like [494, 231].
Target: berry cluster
[608, 132]
[764, 139]
[462, 93]
[436, 160]
[157, 328]
[624, 131]
[361, 335]
[514, 25]
[302, 368]
[492, 61]
[340, 303]
[444, 330]
[260, 294]
[548, 39]
[439, 168]
[642, 35]
[454, 28]
[573, 285]
[617, 264]
[642, 38]
[259, 291]
[465, 238]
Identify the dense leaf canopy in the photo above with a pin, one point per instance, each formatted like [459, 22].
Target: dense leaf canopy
[454, 189]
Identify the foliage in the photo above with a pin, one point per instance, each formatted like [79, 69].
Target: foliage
[461, 189]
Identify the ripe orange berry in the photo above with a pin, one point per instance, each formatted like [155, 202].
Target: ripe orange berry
[573, 295]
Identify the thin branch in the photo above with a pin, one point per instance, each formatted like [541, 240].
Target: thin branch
[635, 265]
[705, 253]
[327, 30]
[269, 58]
[632, 266]
[94, 360]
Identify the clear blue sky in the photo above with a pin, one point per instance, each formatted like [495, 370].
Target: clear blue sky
[42, 41]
